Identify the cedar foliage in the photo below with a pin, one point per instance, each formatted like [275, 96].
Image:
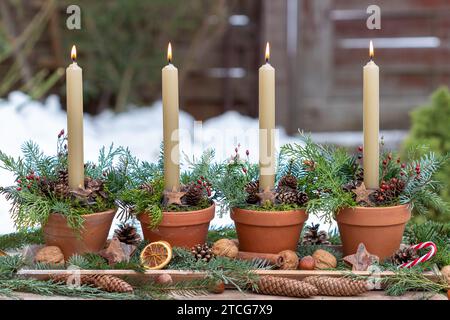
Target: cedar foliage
[32, 205]
[334, 168]
[143, 185]
[431, 127]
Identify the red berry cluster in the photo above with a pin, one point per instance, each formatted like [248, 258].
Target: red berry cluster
[203, 183]
[389, 190]
[28, 182]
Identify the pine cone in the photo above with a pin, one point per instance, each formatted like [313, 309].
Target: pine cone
[285, 287]
[404, 254]
[338, 287]
[302, 198]
[289, 197]
[110, 283]
[101, 281]
[313, 236]
[128, 234]
[202, 252]
[288, 181]
[252, 188]
[147, 187]
[194, 194]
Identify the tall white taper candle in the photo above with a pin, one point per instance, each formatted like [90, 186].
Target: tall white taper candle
[371, 120]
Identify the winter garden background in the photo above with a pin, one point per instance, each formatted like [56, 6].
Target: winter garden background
[318, 49]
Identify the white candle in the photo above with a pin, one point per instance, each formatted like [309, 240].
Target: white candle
[170, 124]
[74, 83]
[371, 110]
[267, 124]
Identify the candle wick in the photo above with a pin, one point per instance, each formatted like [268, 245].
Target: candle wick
[267, 60]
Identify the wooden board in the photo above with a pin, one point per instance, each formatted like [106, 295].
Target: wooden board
[180, 275]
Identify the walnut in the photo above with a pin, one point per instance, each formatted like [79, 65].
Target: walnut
[288, 260]
[446, 273]
[225, 248]
[324, 260]
[50, 254]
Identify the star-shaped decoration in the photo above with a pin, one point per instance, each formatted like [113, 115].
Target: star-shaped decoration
[362, 259]
[362, 194]
[173, 197]
[117, 251]
[266, 196]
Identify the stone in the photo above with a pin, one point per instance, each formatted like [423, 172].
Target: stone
[50, 255]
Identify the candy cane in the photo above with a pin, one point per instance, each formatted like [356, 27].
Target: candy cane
[423, 258]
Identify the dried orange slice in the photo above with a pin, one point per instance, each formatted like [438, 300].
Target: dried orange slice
[156, 255]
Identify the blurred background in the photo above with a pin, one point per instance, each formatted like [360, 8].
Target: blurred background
[318, 48]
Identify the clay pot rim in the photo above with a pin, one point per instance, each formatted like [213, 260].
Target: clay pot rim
[374, 216]
[94, 214]
[250, 211]
[183, 218]
[183, 213]
[360, 208]
[268, 218]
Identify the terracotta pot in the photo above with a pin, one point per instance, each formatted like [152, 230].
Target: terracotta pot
[380, 229]
[268, 231]
[180, 229]
[91, 238]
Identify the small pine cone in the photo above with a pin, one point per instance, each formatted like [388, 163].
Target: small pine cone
[101, 281]
[147, 187]
[128, 234]
[61, 190]
[338, 287]
[252, 188]
[110, 283]
[302, 198]
[288, 181]
[194, 194]
[63, 176]
[289, 197]
[404, 254]
[202, 252]
[285, 287]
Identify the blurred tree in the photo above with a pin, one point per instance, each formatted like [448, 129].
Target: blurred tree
[431, 127]
[122, 44]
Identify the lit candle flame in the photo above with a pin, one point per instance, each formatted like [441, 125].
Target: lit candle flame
[371, 53]
[73, 53]
[267, 52]
[169, 52]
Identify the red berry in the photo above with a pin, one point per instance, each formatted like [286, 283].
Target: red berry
[247, 152]
[202, 178]
[388, 187]
[236, 150]
[398, 160]
[402, 173]
[19, 181]
[390, 156]
[394, 180]
[19, 189]
[403, 166]
[382, 189]
[360, 148]
[384, 162]
[244, 170]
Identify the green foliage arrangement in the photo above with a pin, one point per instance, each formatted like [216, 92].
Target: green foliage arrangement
[430, 126]
[236, 176]
[438, 233]
[42, 185]
[143, 188]
[334, 174]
